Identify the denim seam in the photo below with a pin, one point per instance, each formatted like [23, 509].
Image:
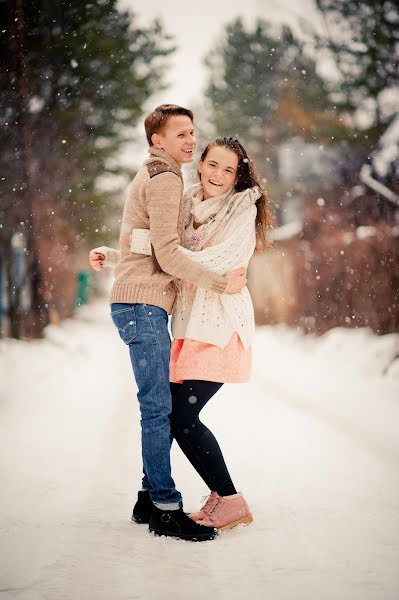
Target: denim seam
[122, 310]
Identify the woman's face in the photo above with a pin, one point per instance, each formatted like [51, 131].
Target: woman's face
[218, 171]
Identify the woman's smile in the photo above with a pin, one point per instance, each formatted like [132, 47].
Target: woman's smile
[218, 171]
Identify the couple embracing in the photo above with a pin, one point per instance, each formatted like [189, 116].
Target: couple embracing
[186, 253]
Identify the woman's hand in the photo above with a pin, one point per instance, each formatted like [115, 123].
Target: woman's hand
[96, 260]
[236, 280]
[191, 288]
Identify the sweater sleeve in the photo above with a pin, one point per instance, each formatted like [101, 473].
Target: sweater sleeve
[112, 256]
[164, 193]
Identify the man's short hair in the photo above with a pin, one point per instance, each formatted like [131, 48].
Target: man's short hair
[157, 118]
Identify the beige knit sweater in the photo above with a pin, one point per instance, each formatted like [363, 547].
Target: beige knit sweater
[155, 203]
[203, 315]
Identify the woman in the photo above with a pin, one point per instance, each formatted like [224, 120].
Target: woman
[226, 218]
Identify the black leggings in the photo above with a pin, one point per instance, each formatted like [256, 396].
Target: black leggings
[196, 441]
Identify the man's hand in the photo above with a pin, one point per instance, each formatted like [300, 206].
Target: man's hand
[96, 260]
[236, 281]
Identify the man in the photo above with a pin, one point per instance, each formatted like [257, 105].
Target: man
[143, 294]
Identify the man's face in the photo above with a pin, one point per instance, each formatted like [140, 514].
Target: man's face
[177, 138]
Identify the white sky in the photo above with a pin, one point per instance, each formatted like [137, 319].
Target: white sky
[197, 27]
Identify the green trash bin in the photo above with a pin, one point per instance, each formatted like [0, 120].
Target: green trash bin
[83, 284]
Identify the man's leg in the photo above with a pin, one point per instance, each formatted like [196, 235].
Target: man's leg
[144, 328]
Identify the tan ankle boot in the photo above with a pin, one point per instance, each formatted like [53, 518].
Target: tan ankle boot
[227, 512]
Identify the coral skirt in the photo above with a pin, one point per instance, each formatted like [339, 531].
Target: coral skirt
[191, 359]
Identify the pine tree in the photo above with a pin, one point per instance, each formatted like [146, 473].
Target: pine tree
[89, 71]
[73, 87]
[263, 88]
[363, 38]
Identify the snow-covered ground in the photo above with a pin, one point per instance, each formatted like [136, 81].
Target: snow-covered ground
[312, 440]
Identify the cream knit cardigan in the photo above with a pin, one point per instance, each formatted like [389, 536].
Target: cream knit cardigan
[205, 315]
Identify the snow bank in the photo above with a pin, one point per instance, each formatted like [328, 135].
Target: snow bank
[326, 519]
[347, 376]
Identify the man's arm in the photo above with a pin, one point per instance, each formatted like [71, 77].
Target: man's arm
[235, 250]
[164, 193]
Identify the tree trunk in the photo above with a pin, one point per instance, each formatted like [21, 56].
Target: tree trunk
[38, 316]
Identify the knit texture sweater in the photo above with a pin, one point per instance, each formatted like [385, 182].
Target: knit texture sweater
[201, 314]
[155, 203]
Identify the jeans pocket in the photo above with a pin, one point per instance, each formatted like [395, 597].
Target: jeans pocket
[125, 321]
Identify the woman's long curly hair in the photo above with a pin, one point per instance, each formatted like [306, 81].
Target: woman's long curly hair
[247, 178]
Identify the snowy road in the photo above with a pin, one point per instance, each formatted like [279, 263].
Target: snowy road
[322, 484]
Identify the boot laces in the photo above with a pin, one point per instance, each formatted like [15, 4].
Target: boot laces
[210, 504]
[218, 501]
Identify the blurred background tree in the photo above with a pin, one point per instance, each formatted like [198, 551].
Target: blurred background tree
[74, 80]
[258, 74]
[264, 88]
[363, 39]
[339, 265]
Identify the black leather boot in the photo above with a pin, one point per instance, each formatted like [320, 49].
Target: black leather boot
[176, 524]
[143, 508]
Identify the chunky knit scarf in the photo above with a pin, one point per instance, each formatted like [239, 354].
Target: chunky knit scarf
[215, 214]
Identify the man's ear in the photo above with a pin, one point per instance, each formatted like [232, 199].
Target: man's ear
[156, 140]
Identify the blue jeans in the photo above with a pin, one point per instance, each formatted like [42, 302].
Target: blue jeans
[144, 328]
